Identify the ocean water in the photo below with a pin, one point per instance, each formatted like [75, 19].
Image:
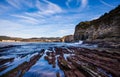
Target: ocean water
[23, 52]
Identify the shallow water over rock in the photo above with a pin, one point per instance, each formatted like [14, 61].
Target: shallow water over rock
[56, 60]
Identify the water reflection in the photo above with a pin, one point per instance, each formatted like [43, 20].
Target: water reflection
[43, 69]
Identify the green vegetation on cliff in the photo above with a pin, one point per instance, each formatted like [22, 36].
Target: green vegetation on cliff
[83, 25]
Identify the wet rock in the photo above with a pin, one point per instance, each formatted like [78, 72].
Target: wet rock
[2, 49]
[3, 61]
[84, 63]
[63, 63]
[87, 61]
[22, 68]
[50, 57]
[3, 68]
[69, 69]
[57, 74]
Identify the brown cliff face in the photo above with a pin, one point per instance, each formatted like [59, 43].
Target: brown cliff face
[68, 38]
[107, 27]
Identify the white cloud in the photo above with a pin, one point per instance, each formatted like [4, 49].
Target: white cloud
[68, 2]
[4, 9]
[46, 7]
[65, 31]
[105, 3]
[34, 14]
[82, 3]
[12, 28]
[19, 4]
[14, 3]
[28, 3]
[27, 19]
[6, 24]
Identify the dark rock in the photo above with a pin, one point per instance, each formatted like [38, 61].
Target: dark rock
[50, 57]
[3, 61]
[57, 74]
[22, 68]
[105, 28]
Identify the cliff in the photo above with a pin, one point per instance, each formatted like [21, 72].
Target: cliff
[68, 38]
[105, 28]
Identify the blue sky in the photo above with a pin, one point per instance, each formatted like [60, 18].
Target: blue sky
[48, 18]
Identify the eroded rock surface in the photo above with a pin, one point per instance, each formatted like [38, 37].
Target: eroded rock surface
[73, 61]
[22, 68]
[82, 62]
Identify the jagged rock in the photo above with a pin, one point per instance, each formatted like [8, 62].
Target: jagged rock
[105, 28]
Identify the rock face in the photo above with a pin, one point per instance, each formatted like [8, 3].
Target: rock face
[107, 27]
[68, 38]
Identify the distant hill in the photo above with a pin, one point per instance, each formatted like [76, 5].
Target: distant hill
[42, 39]
[4, 37]
[9, 38]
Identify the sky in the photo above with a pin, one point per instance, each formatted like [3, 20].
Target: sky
[48, 18]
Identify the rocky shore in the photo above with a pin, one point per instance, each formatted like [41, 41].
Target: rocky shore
[73, 61]
[82, 62]
[20, 70]
[105, 44]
